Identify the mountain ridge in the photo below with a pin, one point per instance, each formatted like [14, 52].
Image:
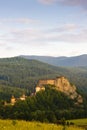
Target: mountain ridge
[73, 61]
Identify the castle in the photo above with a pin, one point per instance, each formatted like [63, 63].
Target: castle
[61, 84]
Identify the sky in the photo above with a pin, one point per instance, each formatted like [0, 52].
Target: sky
[43, 27]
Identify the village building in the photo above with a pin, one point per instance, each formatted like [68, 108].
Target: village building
[13, 100]
[23, 97]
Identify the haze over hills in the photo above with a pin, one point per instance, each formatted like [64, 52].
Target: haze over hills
[80, 60]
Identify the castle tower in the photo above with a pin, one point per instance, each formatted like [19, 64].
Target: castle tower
[38, 89]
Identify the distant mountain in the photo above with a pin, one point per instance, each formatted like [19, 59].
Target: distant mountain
[61, 61]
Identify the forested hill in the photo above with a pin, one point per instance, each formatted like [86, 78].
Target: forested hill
[80, 60]
[18, 74]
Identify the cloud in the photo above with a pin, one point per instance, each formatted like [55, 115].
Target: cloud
[76, 38]
[31, 37]
[39, 42]
[65, 28]
[26, 37]
[2, 44]
[82, 3]
[47, 1]
[74, 2]
[19, 20]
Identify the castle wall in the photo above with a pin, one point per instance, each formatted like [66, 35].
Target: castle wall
[44, 82]
[52, 82]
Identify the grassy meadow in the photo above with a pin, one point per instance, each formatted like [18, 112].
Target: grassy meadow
[80, 123]
[23, 125]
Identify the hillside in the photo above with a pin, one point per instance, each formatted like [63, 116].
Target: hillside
[61, 61]
[50, 105]
[24, 74]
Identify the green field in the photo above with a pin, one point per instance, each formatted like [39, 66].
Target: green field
[23, 125]
[80, 122]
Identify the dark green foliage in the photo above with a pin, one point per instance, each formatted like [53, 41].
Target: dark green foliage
[7, 91]
[47, 106]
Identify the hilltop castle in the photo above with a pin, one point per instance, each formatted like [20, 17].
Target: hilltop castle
[61, 84]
